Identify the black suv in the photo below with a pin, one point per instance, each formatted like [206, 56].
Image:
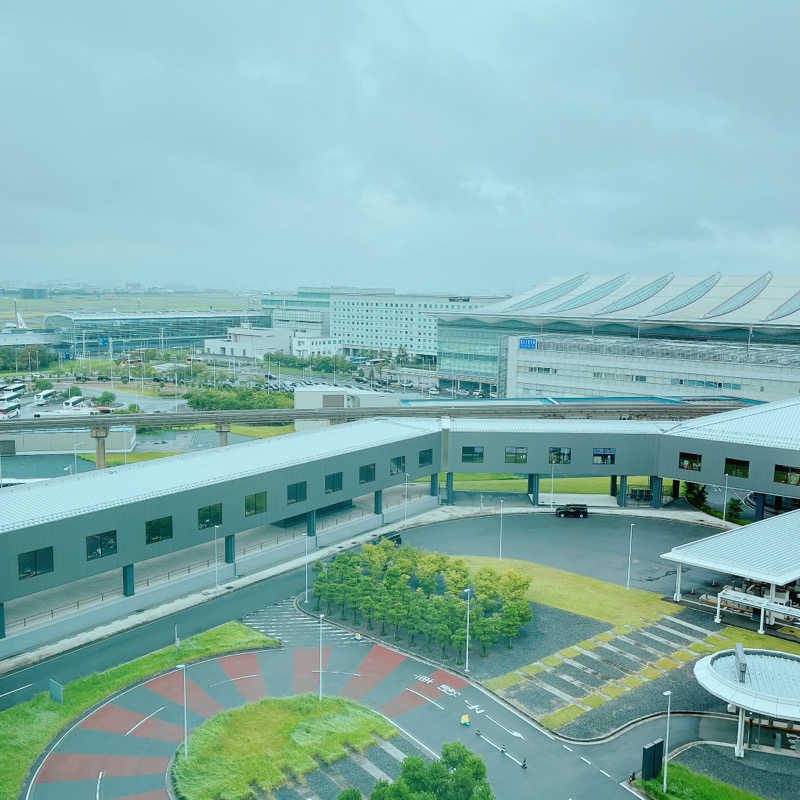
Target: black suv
[572, 510]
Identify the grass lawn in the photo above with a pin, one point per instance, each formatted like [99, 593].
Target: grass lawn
[683, 784]
[26, 728]
[580, 594]
[257, 744]
[117, 459]
[262, 431]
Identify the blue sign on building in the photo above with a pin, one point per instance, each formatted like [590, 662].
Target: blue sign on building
[527, 343]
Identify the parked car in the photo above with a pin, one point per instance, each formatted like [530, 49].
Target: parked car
[572, 510]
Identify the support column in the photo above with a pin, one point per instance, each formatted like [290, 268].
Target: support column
[230, 548]
[761, 621]
[677, 596]
[613, 488]
[622, 491]
[655, 491]
[759, 498]
[311, 523]
[533, 487]
[99, 436]
[2, 621]
[223, 429]
[127, 580]
[739, 749]
[676, 489]
[377, 505]
[450, 497]
[435, 484]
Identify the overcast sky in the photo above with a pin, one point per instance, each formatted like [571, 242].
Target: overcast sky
[429, 145]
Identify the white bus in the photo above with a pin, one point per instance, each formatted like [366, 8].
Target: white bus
[73, 402]
[9, 410]
[12, 391]
[43, 398]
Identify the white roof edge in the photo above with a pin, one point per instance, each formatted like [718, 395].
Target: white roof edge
[778, 578]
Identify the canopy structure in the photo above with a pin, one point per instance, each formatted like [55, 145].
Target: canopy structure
[765, 682]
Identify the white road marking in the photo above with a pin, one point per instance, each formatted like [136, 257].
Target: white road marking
[144, 720]
[99, 778]
[566, 748]
[16, 690]
[624, 785]
[586, 761]
[605, 773]
[231, 680]
[418, 694]
[507, 730]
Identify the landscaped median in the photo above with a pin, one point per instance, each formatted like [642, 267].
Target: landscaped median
[26, 728]
[262, 745]
[683, 784]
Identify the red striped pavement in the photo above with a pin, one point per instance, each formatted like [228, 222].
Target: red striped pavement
[197, 699]
[240, 669]
[156, 794]
[87, 766]
[112, 719]
[156, 728]
[306, 662]
[374, 667]
[405, 700]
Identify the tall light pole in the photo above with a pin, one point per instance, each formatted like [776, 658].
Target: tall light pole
[182, 668]
[307, 537]
[405, 503]
[552, 482]
[468, 591]
[500, 554]
[725, 499]
[668, 695]
[630, 550]
[321, 617]
[216, 560]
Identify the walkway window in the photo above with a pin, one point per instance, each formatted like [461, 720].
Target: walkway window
[560, 455]
[35, 562]
[736, 468]
[255, 504]
[425, 457]
[604, 455]
[156, 530]
[209, 516]
[333, 483]
[516, 455]
[790, 475]
[366, 473]
[397, 465]
[691, 461]
[296, 492]
[472, 455]
[101, 544]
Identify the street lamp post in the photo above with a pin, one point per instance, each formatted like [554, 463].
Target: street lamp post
[182, 668]
[725, 499]
[668, 695]
[216, 559]
[321, 617]
[307, 569]
[552, 482]
[405, 502]
[468, 591]
[630, 550]
[500, 549]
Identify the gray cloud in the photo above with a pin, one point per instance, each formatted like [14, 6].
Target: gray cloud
[433, 146]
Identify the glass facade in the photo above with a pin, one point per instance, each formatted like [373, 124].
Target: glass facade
[397, 465]
[516, 455]
[472, 455]
[156, 530]
[35, 562]
[559, 455]
[604, 455]
[101, 544]
[296, 492]
[366, 473]
[784, 474]
[209, 516]
[255, 504]
[333, 482]
[425, 458]
[736, 468]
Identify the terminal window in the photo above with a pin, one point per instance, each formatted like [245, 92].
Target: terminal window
[691, 461]
[425, 458]
[784, 474]
[209, 516]
[736, 468]
[35, 562]
[255, 504]
[516, 455]
[472, 455]
[156, 530]
[296, 492]
[560, 455]
[397, 465]
[366, 473]
[333, 482]
[101, 544]
[604, 455]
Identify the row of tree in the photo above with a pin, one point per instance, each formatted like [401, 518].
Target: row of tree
[33, 356]
[423, 595]
[238, 397]
[458, 775]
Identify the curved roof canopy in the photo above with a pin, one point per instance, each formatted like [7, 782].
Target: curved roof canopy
[769, 685]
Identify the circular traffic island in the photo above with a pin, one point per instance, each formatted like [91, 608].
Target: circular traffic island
[253, 749]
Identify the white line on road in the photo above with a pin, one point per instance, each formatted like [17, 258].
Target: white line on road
[99, 778]
[605, 773]
[144, 720]
[624, 785]
[510, 732]
[418, 694]
[16, 690]
[586, 761]
[230, 680]
[566, 748]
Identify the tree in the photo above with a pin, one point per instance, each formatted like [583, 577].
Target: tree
[485, 630]
[734, 508]
[349, 794]
[40, 384]
[106, 398]
[73, 391]
[513, 615]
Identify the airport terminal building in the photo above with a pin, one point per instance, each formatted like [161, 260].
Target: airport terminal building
[620, 335]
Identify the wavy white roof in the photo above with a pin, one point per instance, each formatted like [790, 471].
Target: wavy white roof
[712, 297]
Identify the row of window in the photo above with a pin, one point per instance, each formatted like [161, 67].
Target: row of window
[473, 454]
[738, 468]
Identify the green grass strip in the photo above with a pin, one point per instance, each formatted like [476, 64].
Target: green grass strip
[26, 728]
[683, 784]
[556, 719]
[257, 745]
[503, 681]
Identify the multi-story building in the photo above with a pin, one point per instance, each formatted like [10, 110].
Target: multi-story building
[124, 331]
[250, 342]
[734, 335]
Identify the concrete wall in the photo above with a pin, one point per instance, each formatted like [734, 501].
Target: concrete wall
[120, 439]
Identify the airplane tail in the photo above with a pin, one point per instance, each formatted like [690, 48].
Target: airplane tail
[21, 322]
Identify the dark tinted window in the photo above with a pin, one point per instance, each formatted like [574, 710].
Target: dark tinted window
[255, 504]
[101, 544]
[296, 492]
[366, 473]
[209, 516]
[736, 468]
[472, 455]
[516, 455]
[604, 455]
[333, 482]
[560, 455]
[691, 461]
[156, 530]
[397, 465]
[35, 562]
[425, 457]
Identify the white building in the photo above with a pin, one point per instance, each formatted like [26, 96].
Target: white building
[250, 342]
[306, 345]
[324, 396]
